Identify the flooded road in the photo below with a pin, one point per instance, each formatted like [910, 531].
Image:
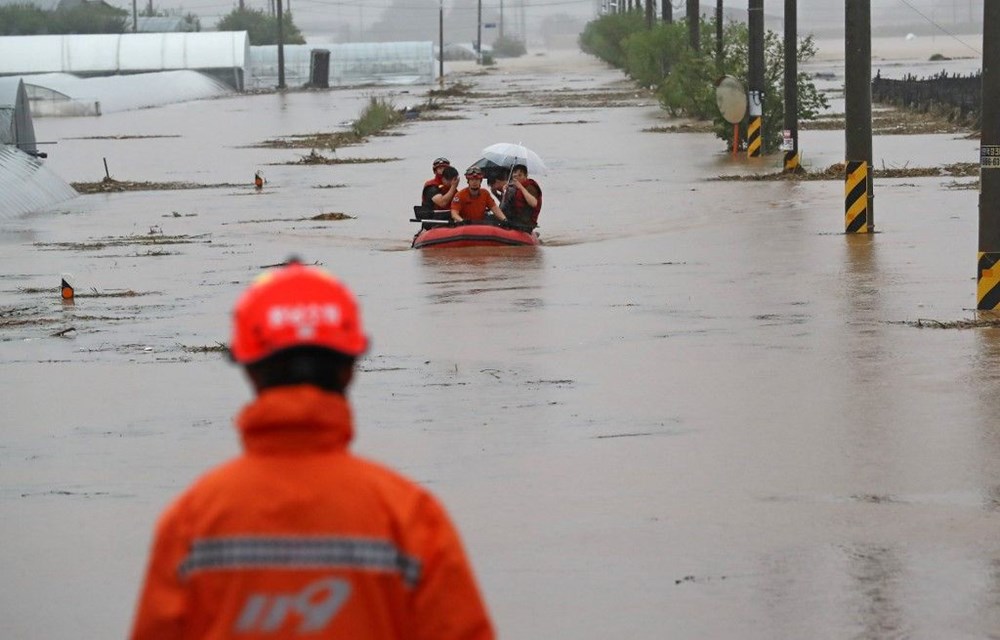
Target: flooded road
[698, 411]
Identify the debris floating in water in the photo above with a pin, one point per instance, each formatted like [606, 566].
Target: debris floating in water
[67, 290]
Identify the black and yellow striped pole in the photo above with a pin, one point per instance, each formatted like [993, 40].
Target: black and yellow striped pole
[754, 141]
[988, 267]
[790, 139]
[755, 68]
[856, 198]
[858, 201]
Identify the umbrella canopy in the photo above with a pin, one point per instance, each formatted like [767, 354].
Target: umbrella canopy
[507, 154]
[492, 169]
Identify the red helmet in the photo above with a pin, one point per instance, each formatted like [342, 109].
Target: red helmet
[296, 306]
[473, 172]
[441, 162]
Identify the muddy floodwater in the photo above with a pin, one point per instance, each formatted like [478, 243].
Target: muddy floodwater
[699, 410]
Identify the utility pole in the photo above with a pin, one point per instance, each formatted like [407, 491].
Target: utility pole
[988, 271]
[790, 140]
[281, 49]
[135, 18]
[755, 22]
[859, 214]
[650, 14]
[668, 11]
[441, 43]
[718, 32]
[694, 25]
[479, 33]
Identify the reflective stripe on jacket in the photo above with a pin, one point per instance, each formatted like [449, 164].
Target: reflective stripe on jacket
[299, 538]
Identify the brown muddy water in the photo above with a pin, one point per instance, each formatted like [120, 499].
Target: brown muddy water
[698, 411]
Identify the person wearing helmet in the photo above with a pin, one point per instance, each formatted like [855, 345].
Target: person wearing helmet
[472, 203]
[298, 536]
[438, 165]
[438, 194]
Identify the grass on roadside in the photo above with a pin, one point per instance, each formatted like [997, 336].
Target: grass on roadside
[377, 116]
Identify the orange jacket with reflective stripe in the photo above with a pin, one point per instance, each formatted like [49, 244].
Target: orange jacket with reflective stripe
[299, 538]
[472, 208]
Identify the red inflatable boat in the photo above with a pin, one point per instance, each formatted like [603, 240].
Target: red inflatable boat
[472, 235]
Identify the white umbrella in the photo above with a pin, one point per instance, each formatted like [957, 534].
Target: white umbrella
[507, 154]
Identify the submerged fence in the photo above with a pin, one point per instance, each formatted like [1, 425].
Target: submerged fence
[958, 97]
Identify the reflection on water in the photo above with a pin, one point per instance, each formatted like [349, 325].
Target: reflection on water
[864, 279]
[877, 572]
[454, 275]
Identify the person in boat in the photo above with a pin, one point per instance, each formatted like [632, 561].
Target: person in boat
[473, 202]
[500, 190]
[438, 165]
[439, 193]
[525, 198]
[298, 536]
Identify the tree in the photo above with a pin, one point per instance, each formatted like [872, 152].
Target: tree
[605, 36]
[685, 79]
[260, 27]
[27, 20]
[507, 47]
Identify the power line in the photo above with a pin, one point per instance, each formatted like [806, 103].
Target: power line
[937, 26]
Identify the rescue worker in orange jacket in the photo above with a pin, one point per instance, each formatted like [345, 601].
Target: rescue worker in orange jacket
[298, 537]
[472, 203]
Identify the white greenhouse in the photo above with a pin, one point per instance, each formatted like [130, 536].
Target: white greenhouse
[350, 64]
[16, 127]
[62, 94]
[26, 185]
[222, 54]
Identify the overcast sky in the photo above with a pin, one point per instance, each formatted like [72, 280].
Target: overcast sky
[313, 15]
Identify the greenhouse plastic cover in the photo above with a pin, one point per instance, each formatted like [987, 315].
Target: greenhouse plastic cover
[16, 127]
[351, 64]
[26, 185]
[104, 54]
[118, 93]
